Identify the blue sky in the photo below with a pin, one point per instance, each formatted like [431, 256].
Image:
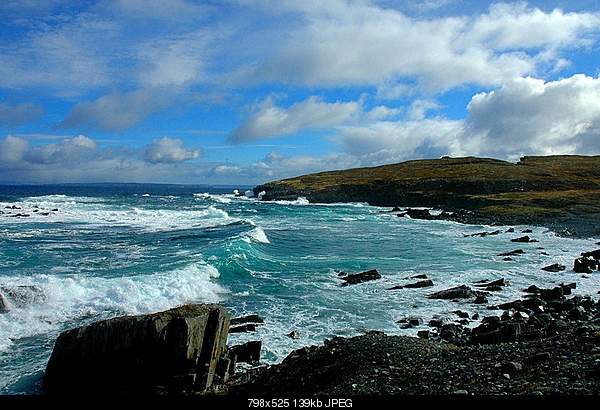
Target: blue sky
[246, 91]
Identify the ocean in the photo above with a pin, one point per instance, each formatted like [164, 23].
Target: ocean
[92, 252]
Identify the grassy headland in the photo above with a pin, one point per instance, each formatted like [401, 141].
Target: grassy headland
[562, 192]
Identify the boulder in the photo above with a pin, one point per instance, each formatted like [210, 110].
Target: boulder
[419, 213]
[248, 352]
[294, 334]
[524, 239]
[246, 319]
[512, 253]
[178, 349]
[459, 292]
[416, 285]
[554, 268]
[480, 300]
[593, 254]
[494, 283]
[366, 276]
[248, 327]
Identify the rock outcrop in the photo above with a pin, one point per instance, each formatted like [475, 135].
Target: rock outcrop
[174, 351]
[361, 277]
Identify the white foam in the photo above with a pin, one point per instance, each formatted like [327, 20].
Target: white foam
[257, 235]
[78, 296]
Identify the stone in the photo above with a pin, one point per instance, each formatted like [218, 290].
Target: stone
[294, 334]
[554, 268]
[248, 327]
[423, 334]
[356, 278]
[178, 348]
[459, 292]
[495, 283]
[511, 367]
[248, 352]
[525, 239]
[246, 319]
[461, 314]
[480, 300]
[421, 284]
[512, 253]
[527, 231]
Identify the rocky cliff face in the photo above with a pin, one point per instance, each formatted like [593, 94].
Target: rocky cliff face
[172, 351]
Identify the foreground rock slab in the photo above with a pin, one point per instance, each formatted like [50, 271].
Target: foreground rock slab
[174, 351]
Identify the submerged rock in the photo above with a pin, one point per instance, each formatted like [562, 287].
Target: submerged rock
[525, 239]
[178, 349]
[512, 253]
[554, 268]
[294, 334]
[366, 276]
[248, 327]
[420, 284]
[246, 319]
[459, 292]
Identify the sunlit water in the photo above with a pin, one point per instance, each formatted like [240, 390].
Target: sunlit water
[129, 249]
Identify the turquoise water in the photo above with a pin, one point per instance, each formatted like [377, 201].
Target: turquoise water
[129, 249]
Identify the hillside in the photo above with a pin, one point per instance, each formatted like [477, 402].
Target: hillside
[562, 192]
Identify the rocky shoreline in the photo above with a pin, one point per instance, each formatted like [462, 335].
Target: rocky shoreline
[546, 342]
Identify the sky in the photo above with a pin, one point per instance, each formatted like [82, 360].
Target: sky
[248, 91]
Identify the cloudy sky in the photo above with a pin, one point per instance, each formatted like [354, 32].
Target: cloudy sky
[245, 91]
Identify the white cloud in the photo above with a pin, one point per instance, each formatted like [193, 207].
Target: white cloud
[169, 150]
[530, 116]
[12, 149]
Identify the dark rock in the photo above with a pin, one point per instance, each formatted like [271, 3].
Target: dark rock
[248, 327]
[459, 292]
[527, 231]
[356, 278]
[461, 314]
[525, 239]
[419, 213]
[585, 264]
[246, 319]
[537, 358]
[511, 367]
[135, 353]
[512, 253]
[593, 254]
[3, 304]
[480, 300]
[436, 323]
[507, 259]
[532, 289]
[248, 352]
[554, 268]
[294, 334]
[423, 334]
[495, 283]
[421, 276]
[420, 284]
[510, 230]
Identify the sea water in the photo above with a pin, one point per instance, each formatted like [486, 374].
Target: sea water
[111, 250]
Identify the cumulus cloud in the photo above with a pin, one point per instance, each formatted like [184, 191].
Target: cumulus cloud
[118, 111]
[531, 116]
[169, 150]
[19, 114]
